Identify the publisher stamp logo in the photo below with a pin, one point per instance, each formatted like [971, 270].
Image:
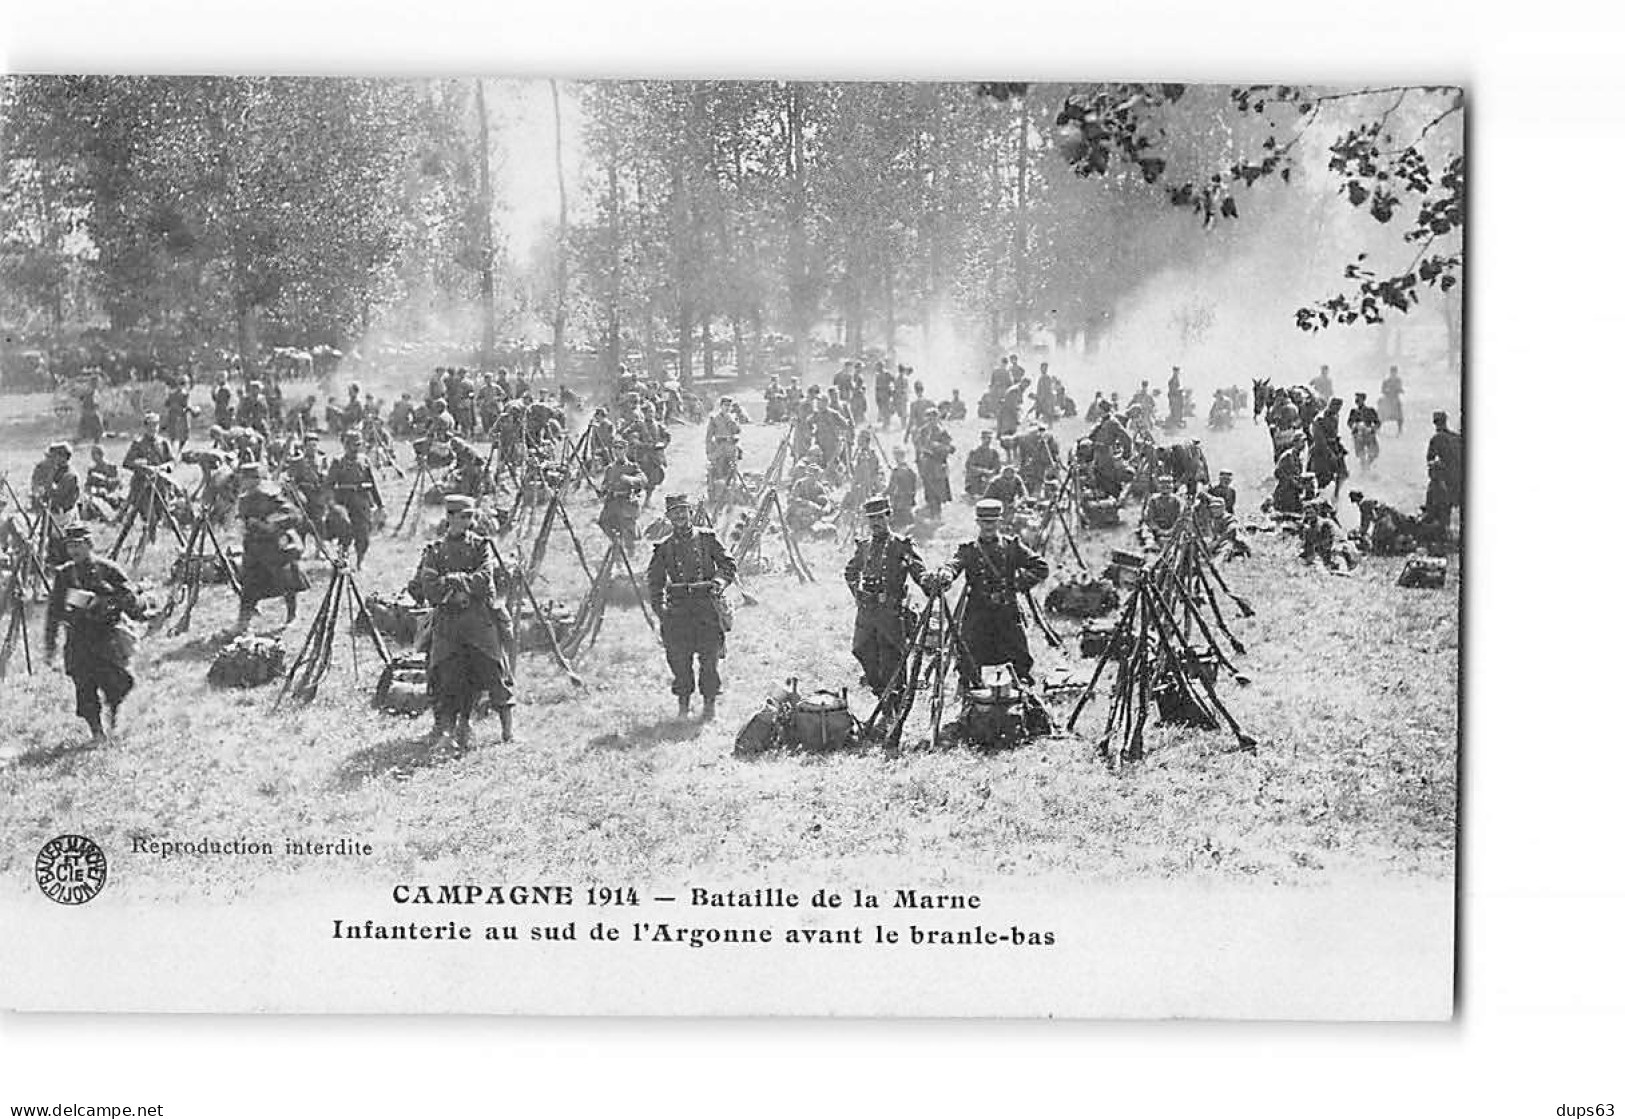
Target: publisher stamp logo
[71, 869]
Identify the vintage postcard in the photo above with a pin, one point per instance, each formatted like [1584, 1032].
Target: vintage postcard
[730, 547]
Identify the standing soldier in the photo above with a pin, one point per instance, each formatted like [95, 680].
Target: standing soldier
[932, 446]
[903, 488]
[254, 411]
[222, 402]
[998, 569]
[467, 653]
[1389, 406]
[307, 473]
[868, 471]
[355, 490]
[1328, 459]
[687, 575]
[148, 452]
[623, 487]
[878, 576]
[90, 595]
[271, 548]
[55, 490]
[178, 412]
[91, 425]
[1322, 384]
[1444, 448]
[1364, 424]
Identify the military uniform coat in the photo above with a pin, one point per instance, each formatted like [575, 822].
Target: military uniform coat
[878, 575]
[991, 629]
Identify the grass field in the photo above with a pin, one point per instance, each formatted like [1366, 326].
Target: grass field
[1354, 704]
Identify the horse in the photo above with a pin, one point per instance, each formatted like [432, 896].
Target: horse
[1263, 396]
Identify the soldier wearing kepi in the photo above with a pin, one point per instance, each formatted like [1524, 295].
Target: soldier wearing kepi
[998, 569]
[271, 547]
[355, 490]
[878, 575]
[467, 653]
[90, 595]
[687, 575]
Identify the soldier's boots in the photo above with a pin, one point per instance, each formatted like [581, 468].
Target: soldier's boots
[709, 711]
[506, 715]
[682, 706]
[442, 731]
[245, 619]
[96, 732]
[464, 733]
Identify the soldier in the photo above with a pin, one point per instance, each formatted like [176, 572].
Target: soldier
[1145, 400]
[623, 488]
[982, 465]
[953, 409]
[1046, 395]
[221, 397]
[902, 489]
[687, 575]
[868, 471]
[773, 398]
[1364, 424]
[1162, 511]
[54, 488]
[1322, 384]
[467, 649]
[1384, 530]
[831, 431]
[1010, 405]
[1176, 400]
[271, 550]
[878, 576]
[350, 480]
[253, 411]
[1225, 489]
[178, 412]
[1288, 496]
[102, 485]
[91, 425]
[1221, 415]
[883, 384]
[400, 416]
[998, 569]
[1328, 459]
[1444, 447]
[307, 474]
[932, 446]
[1389, 406]
[1007, 489]
[90, 595]
[649, 438]
[1111, 445]
[148, 452]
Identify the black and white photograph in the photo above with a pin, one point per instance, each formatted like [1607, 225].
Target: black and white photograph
[737, 527]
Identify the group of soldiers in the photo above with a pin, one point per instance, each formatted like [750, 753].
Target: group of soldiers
[285, 490]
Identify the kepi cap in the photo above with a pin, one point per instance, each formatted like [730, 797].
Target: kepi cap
[989, 509]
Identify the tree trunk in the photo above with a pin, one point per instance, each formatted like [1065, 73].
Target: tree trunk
[1019, 249]
[802, 298]
[708, 350]
[739, 346]
[685, 342]
[612, 317]
[561, 277]
[487, 247]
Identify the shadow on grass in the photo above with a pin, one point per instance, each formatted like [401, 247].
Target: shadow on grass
[670, 729]
[399, 757]
[197, 649]
[42, 756]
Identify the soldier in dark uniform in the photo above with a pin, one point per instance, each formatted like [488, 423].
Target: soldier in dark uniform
[997, 570]
[91, 425]
[868, 471]
[178, 412]
[687, 575]
[1007, 489]
[90, 595]
[1328, 458]
[55, 490]
[1162, 511]
[150, 451]
[623, 487]
[102, 485]
[350, 480]
[254, 411]
[982, 465]
[307, 474]
[1111, 445]
[1288, 495]
[932, 446]
[1389, 406]
[878, 575]
[271, 548]
[1444, 447]
[1364, 424]
[903, 489]
[467, 650]
[222, 402]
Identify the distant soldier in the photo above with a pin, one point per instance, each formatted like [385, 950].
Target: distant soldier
[178, 412]
[1384, 530]
[307, 474]
[1176, 400]
[1111, 445]
[1010, 406]
[102, 485]
[1364, 424]
[467, 649]
[998, 569]
[92, 428]
[1097, 410]
[902, 489]
[830, 432]
[932, 446]
[221, 398]
[90, 595]
[878, 575]
[254, 410]
[1046, 395]
[355, 490]
[1328, 459]
[687, 575]
[868, 470]
[54, 488]
[1221, 415]
[982, 465]
[773, 398]
[1288, 495]
[1145, 401]
[1322, 384]
[147, 452]
[1389, 405]
[271, 549]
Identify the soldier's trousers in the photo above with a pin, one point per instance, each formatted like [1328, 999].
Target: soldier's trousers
[690, 637]
[93, 682]
[456, 681]
[993, 637]
[878, 641]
